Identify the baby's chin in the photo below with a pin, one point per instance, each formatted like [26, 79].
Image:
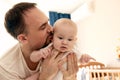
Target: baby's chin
[63, 51]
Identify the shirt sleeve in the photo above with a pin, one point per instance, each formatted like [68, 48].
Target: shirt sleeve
[7, 75]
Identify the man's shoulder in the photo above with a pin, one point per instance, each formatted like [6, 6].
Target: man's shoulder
[10, 56]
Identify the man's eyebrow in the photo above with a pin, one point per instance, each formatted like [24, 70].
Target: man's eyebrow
[41, 25]
[44, 23]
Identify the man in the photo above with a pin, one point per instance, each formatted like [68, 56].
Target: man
[29, 25]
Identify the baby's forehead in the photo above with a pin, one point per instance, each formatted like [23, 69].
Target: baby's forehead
[64, 21]
[65, 33]
[64, 26]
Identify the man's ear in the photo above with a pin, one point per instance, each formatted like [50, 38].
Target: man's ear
[22, 38]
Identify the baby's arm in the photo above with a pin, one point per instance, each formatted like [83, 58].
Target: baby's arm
[42, 53]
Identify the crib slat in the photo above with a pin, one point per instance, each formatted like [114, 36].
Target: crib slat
[97, 71]
[106, 74]
[102, 75]
[90, 75]
[112, 76]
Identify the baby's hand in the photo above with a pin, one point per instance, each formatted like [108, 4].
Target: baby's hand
[46, 51]
[42, 53]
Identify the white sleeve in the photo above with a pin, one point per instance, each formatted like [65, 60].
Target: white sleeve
[6, 75]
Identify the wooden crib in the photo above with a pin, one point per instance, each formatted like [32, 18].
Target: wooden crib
[98, 71]
[105, 74]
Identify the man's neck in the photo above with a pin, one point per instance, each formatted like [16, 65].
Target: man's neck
[26, 54]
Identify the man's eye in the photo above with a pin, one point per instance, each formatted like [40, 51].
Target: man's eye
[43, 27]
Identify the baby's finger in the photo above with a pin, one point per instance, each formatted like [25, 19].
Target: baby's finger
[50, 46]
[49, 51]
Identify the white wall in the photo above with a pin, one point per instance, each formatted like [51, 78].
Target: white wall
[6, 41]
[98, 34]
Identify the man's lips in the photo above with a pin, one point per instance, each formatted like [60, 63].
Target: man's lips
[50, 38]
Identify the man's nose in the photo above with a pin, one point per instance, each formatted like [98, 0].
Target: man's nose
[50, 28]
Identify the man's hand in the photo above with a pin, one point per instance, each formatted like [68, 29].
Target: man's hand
[49, 67]
[72, 67]
[33, 77]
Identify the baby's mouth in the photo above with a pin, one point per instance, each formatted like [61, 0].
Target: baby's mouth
[63, 47]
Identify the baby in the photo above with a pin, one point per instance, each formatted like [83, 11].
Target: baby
[64, 38]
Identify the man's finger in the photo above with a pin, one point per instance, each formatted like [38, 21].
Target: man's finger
[62, 69]
[61, 62]
[70, 63]
[75, 63]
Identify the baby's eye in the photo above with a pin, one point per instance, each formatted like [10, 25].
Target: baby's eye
[60, 37]
[70, 39]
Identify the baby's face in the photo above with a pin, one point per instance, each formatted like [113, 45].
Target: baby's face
[64, 38]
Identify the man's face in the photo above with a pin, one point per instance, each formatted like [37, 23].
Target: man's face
[38, 28]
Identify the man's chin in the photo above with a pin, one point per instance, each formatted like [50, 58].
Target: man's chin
[48, 40]
[47, 43]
